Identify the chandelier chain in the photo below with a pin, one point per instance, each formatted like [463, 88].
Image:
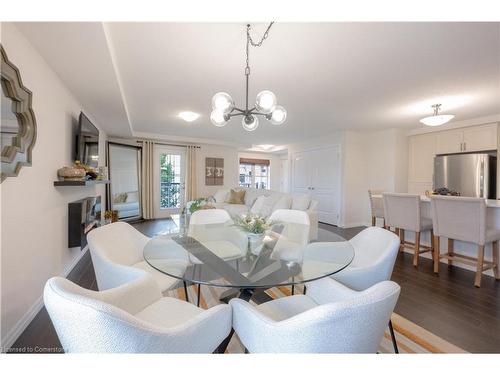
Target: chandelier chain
[250, 42]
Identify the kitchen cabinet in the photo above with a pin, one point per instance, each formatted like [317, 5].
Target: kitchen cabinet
[471, 139]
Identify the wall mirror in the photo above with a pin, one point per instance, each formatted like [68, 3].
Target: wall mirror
[17, 120]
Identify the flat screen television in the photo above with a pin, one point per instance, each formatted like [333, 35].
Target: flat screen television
[87, 142]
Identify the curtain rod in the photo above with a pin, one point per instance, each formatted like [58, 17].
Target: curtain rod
[166, 144]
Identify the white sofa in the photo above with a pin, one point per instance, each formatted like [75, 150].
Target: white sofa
[271, 201]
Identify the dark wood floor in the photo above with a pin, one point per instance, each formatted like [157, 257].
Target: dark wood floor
[448, 305]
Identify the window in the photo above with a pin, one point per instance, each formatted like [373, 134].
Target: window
[255, 173]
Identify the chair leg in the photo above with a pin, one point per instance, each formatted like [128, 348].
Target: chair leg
[393, 337]
[479, 269]
[305, 288]
[436, 254]
[451, 250]
[293, 289]
[495, 256]
[199, 295]
[417, 249]
[374, 221]
[186, 291]
[401, 233]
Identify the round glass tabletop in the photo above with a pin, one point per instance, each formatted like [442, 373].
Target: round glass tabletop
[223, 255]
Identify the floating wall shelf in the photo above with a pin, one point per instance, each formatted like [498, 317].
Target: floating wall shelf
[81, 183]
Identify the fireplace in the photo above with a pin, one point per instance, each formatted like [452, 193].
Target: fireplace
[83, 216]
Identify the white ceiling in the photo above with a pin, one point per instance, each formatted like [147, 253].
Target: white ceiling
[134, 78]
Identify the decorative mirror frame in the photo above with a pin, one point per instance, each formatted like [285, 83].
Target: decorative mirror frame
[21, 97]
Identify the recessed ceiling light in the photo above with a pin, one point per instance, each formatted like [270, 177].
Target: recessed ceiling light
[189, 116]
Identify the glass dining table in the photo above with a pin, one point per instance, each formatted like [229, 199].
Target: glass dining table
[222, 255]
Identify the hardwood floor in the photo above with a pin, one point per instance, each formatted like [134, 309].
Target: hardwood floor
[448, 305]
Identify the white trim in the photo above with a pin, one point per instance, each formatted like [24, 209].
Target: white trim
[456, 125]
[22, 324]
[199, 141]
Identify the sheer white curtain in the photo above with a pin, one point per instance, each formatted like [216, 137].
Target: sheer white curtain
[191, 184]
[147, 177]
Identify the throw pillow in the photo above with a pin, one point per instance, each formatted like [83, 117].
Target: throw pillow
[257, 206]
[252, 195]
[221, 196]
[236, 197]
[283, 203]
[120, 198]
[301, 202]
[133, 196]
[269, 202]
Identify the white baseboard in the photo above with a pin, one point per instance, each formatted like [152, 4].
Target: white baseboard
[22, 324]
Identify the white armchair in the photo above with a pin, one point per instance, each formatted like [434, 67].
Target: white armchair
[375, 252]
[117, 247]
[331, 318]
[294, 237]
[132, 318]
[223, 240]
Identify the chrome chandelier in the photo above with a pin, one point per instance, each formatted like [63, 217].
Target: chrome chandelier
[223, 107]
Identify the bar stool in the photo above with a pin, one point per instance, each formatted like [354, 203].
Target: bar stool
[464, 219]
[402, 211]
[376, 206]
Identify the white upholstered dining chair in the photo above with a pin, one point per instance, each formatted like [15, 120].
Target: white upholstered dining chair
[376, 206]
[464, 219]
[331, 318]
[118, 247]
[222, 239]
[132, 318]
[402, 211]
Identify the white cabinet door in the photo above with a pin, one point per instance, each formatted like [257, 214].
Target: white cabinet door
[480, 138]
[325, 183]
[449, 142]
[421, 158]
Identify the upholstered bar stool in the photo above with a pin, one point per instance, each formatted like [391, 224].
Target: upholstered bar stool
[402, 211]
[464, 219]
[376, 206]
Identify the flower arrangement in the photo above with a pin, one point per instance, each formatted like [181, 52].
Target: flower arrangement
[254, 224]
[197, 204]
[110, 216]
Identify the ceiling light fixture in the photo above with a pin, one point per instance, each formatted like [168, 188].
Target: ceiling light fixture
[436, 119]
[189, 116]
[223, 107]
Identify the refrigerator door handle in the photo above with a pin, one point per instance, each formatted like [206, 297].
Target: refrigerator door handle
[481, 180]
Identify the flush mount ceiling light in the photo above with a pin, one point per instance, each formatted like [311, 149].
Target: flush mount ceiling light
[223, 107]
[436, 119]
[188, 116]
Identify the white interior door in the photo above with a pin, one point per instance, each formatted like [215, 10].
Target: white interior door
[317, 172]
[301, 174]
[325, 183]
[170, 180]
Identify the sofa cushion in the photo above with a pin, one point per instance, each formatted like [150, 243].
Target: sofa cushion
[283, 203]
[232, 209]
[258, 204]
[268, 204]
[221, 195]
[252, 195]
[300, 202]
[236, 196]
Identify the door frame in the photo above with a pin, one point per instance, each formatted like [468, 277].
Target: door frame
[162, 149]
[139, 179]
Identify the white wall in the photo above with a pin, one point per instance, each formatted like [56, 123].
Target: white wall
[275, 167]
[370, 159]
[231, 167]
[33, 212]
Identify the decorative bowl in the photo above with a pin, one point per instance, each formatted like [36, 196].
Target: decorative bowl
[71, 174]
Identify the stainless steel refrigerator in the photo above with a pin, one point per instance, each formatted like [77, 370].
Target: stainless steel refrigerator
[471, 175]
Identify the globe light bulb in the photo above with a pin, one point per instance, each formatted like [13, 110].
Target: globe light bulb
[222, 102]
[265, 102]
[217, 117]
[250, 123]
[278, 116]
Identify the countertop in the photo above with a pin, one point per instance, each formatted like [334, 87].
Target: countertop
[493, 203]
